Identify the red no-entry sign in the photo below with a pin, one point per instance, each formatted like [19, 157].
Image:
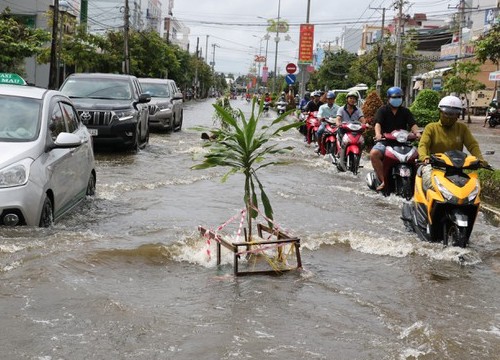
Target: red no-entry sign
[291, 68]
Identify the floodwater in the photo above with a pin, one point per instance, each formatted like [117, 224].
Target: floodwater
[127, 275]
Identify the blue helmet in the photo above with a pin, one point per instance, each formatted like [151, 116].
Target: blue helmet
[331, 95]
[394, 91]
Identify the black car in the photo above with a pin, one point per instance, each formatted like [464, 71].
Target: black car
[112, 106]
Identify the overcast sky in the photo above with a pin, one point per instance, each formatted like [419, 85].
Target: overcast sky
[237, 26]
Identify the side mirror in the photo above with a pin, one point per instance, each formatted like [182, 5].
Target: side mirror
[144, 98]
[178, 96]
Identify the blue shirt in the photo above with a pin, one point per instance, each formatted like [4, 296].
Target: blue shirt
[325, 111]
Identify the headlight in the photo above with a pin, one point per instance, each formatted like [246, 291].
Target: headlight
[444, 191]
[125, 115]
[16, 174]
[165, 106]
[473, 193]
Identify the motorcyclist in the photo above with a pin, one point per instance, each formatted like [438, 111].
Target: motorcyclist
[325, 111]
[444, 135]
[267, 98]
[390, 117]
[314, 103]
[493, 104]
[350, 112]
[304, 101]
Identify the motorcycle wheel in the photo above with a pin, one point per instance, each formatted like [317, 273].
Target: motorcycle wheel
[455, 235]
[353, 163]
[403, 187]
[492, 122]
[341, 163]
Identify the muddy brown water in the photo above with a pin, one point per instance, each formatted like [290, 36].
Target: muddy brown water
[127, 276]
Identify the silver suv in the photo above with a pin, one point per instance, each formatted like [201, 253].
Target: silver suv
[112, 106]
[165, 108]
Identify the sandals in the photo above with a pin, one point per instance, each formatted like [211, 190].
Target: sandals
[380, 187]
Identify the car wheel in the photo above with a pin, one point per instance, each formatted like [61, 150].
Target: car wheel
[91, 186]
[47, 215]
[178, 128]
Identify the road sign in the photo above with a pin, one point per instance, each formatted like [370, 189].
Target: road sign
[291, 68]
[290, 79]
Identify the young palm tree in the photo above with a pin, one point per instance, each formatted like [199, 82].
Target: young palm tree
[243, 147]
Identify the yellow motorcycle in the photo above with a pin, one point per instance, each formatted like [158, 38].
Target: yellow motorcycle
[446, 212]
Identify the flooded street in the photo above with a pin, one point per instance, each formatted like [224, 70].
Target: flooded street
[126, 275]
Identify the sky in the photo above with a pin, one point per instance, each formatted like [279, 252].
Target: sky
[237, 27]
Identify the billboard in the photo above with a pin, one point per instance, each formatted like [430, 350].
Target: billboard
[306, 45]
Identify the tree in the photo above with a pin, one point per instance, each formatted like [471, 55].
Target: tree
[333, 71]
[243, 148]
[18, 42]
[462, 80]
[487, 47]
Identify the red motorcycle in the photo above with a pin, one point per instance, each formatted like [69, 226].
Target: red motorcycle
[312, 125]
[399, 165]
[349, 146]
[328, 141]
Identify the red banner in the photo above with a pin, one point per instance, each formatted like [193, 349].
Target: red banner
[306, 45]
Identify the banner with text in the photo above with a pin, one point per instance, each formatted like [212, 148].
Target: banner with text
[306, 45]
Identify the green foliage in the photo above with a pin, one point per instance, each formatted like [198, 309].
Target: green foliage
[341, 99]
[18, 42]
[425, 107]
[224, 103]
[490, 185]
[332, 72]
[487, 47]
[462, 78]
[243, 147]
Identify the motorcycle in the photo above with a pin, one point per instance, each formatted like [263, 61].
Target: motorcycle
[312, 125]
[328, 141]
[493, 117]
[349, 146]
[265, 108]
[281, 107]
[447, 211]
[399, 165]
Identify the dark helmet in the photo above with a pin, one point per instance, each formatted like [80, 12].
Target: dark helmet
[394, 92]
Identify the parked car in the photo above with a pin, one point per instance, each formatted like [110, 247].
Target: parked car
[46, 156]
[112, 106]
[165, 108]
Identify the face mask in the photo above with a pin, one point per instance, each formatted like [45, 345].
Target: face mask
[448, 121]
[395, 102]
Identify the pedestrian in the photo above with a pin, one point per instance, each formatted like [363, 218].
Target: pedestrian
[464, 107]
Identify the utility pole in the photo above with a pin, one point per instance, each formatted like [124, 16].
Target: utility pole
[213, 56]
[380, 53]
[206, 49]
[196, 70]
[126, 63]
[397, 69]
[53, 46]
[277, 39]
[303, 67]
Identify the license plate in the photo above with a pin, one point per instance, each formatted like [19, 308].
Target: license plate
[93, 132]
[404, 172]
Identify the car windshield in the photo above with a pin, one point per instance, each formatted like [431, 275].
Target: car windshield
[156, 90]
[19, 118]
[96, 88]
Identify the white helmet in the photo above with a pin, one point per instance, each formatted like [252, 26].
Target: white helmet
[450, 105]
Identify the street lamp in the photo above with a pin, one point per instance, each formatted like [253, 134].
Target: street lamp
[260, 53]
[409, 67]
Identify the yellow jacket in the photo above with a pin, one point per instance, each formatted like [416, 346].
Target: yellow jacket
[437, 139]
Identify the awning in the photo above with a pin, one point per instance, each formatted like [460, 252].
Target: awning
[434, 73]
[494, 76]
